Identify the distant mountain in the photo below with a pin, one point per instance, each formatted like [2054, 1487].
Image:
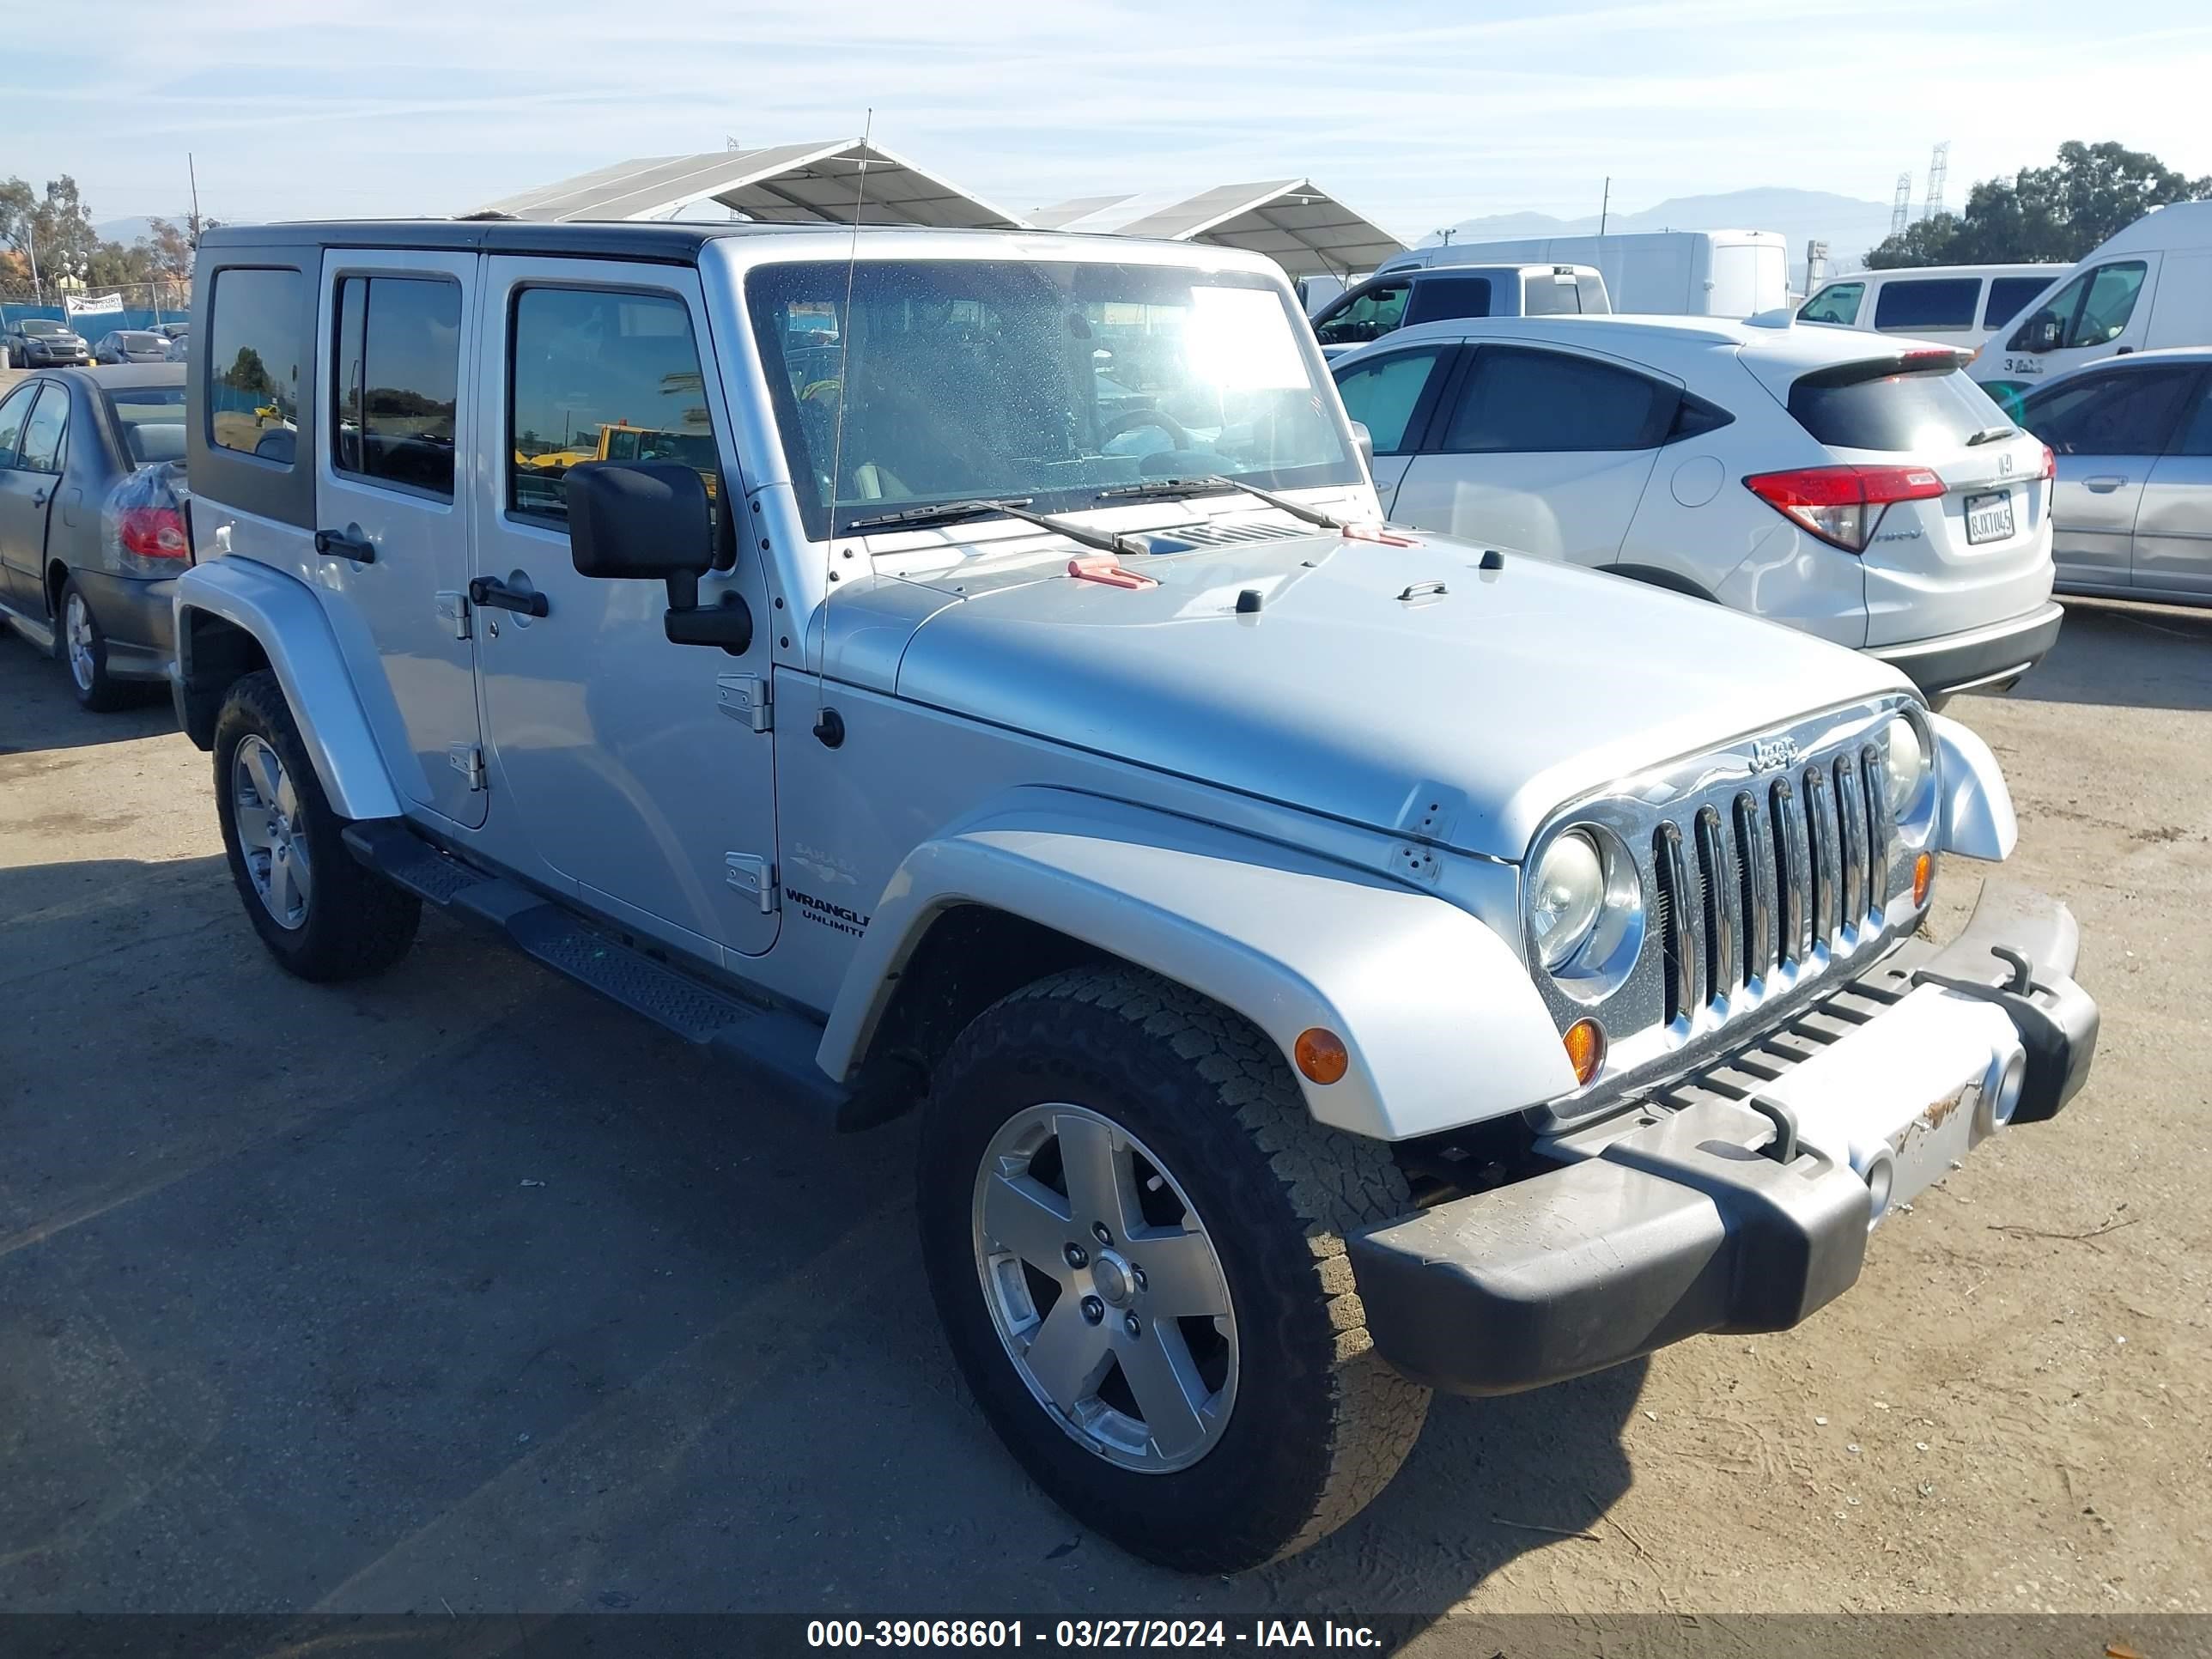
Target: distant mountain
[126, 231]
[1850, 226]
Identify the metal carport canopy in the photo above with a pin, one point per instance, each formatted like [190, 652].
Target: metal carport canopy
[1294, 221]
[782, 184]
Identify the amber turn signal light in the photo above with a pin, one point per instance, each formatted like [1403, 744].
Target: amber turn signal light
[1585, 1043]
[1923, 878]
[1321, 1055]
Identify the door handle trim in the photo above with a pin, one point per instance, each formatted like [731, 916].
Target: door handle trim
[344, 544]
[488, 593]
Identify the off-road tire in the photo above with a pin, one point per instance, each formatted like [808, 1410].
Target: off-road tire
[1320, 1424]
[355, 924]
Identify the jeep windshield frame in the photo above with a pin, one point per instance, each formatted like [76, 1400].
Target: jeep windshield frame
[1042, 380]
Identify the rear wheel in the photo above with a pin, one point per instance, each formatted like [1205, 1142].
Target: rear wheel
[1134, 1231]
[83, 648]
[321, 915]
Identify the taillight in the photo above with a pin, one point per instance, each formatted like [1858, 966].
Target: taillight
[1843, 505]
[2050, 465]
[153, 532]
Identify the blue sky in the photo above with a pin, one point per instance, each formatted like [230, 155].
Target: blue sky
[1416, 112]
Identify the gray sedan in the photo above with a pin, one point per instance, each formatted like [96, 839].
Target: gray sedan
[2132, 515]
[91, 585]
[131, 345]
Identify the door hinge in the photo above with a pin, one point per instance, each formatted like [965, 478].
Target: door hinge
[744, 698]
[753, 877]
[454, 611]
[467, 759]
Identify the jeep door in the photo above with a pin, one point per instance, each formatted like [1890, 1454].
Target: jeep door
[622, 771]
[1541, 449]
[397, 328]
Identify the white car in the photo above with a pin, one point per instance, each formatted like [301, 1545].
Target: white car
[1861, 490]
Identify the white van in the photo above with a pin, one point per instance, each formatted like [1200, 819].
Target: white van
[1958, 305]
[1676, 273]
[2149, 286]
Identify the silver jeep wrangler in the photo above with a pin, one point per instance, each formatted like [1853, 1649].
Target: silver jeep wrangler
[967, 671]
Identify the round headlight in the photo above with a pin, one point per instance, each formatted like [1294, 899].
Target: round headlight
[1568, 894]
[1906, 763]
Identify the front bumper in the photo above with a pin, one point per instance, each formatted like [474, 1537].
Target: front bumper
[1742, 1200]
[1996, 655]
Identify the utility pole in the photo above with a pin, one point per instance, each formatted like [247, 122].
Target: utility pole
[1605, 207]
[31, 247]
[193, 174]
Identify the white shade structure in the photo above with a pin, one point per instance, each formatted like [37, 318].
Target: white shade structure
[1294, 221]
[782, 184]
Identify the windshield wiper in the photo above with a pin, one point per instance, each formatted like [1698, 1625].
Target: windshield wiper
[1169, 490]
[915, 518]
[1990, 435]
[921, 517]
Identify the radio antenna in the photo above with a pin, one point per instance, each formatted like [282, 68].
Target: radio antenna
[830, 730]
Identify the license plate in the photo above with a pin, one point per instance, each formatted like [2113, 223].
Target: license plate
[1989, 518]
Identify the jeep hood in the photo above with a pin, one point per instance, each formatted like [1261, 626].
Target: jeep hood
[1370, 677]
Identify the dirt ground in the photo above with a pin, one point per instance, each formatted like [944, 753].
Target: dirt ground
[462, 1290]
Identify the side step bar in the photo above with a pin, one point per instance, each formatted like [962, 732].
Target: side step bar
[772, 1040]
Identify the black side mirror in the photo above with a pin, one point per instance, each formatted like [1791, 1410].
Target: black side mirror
[2044, 334]
[649, 521]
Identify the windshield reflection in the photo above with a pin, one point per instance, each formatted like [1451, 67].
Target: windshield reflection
[1050, 381]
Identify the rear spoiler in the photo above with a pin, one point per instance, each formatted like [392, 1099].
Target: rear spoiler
[1920, 360]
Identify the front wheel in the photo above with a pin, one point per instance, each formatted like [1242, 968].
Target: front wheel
[1134, 1234]
[322, 915]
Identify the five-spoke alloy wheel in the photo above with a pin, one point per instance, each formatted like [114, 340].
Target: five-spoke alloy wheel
[1104, 1288]
[1134, 1231]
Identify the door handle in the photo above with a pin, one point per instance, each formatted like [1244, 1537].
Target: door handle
[345, 544]
[488, 592]
[2105, 483]
[38, 498]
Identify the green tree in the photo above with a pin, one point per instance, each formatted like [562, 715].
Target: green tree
[248, 372]
[2056, 213]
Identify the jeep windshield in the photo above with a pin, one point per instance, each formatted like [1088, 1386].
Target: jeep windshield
[1046, 382]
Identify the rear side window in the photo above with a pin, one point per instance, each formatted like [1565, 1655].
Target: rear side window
[1383, 395]
[12, 413]
[44, 433]
[1519, 400]
[1839, 302]
[2196, 434]
[1857, 406]
[2131, 412]
[2007, 295]
[398, 370]
[601, 376]
[257, 336]
[1928, 302]
[1436, 297]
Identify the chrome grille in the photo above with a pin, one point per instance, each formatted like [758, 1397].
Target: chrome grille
[1792, 866]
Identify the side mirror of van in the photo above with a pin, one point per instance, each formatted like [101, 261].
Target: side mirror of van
[2044, 333]
[650, 521]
